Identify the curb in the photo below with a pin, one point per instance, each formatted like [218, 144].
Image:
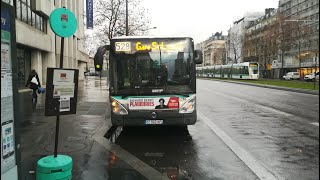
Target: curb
[312, 92]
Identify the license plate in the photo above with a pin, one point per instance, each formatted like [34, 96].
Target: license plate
[154, 122]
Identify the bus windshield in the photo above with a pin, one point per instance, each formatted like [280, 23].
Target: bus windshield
[159, 70]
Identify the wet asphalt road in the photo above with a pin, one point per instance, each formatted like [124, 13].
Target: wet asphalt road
[238, 128]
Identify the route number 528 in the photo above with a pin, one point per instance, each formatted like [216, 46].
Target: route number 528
[123, 46]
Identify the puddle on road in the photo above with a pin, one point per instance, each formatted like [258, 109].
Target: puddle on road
[166, 159]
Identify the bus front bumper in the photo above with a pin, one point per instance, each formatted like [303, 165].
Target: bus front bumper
[168, 118]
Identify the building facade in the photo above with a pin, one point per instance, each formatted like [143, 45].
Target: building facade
[301, 19]
[234, 43]
[260, 43]
[38, 47]
[213, 50]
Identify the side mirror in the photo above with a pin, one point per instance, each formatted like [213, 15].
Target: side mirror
[198, 57]
[98, 57]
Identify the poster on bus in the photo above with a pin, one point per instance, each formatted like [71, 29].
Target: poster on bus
[154, 103]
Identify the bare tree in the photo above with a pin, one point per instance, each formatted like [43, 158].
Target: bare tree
[250, 46]
[235, 43]
[269, 45]
[284, 36]
[235, 46]
[110, 21]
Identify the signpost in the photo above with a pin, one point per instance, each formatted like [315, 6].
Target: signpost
[64, 24]
[61, 97]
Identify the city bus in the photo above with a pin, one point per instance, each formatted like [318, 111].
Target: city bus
[152, 80]
[246, 70]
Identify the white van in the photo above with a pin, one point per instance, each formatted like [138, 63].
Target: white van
[291, 76]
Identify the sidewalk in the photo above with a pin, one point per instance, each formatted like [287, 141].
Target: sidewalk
[76, 137]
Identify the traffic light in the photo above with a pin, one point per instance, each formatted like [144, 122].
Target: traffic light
[98, 57]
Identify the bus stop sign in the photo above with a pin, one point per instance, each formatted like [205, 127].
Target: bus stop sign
[63, 22]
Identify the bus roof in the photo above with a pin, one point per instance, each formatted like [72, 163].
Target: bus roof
[151, 37]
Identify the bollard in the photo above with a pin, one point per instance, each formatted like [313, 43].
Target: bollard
[51, 168]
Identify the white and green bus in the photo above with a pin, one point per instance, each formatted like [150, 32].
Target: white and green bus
[246, 70]
[152, 80]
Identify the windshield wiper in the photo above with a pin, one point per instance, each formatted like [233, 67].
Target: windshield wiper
[179, 93]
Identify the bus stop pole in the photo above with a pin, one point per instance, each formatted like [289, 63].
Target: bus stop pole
[56, 139]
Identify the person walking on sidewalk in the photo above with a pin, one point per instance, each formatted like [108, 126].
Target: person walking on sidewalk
[33, 83]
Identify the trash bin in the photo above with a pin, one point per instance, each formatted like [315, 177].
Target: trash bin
[51, 168]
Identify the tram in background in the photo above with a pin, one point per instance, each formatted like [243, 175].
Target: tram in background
[246, 70]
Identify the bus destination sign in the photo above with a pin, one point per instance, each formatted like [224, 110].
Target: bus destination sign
[131, 47]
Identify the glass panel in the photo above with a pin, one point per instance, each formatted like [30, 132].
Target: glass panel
[147, 70]
[38, 21]
[33, 15]
[44, 26]
[24, 12]
[18, 9]
[29, 15]
[41, 25]
[167, 65]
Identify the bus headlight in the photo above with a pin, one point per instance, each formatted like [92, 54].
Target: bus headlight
[117, 108]
[189, 106]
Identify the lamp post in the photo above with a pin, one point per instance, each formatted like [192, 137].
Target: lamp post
[127, 23]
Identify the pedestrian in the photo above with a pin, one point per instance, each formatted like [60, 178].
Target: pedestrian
[34, 84]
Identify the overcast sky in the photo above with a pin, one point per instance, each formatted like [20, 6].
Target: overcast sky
[199, 18]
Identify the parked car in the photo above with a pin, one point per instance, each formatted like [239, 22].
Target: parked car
[309, 77]
[312, 76]
[291, 76]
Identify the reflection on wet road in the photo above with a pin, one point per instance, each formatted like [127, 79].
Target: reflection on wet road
[239, 128]
[172, 152]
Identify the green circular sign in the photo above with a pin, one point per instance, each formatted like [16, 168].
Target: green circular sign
[63, 22]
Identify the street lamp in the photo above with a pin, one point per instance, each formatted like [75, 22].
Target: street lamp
[148, 29]
[144, 30]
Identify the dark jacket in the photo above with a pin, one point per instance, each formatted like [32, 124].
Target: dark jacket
[32, 85]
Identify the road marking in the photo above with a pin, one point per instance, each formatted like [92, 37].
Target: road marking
[315, 123]
[256, 167]
[131, 160]
[258, 105]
